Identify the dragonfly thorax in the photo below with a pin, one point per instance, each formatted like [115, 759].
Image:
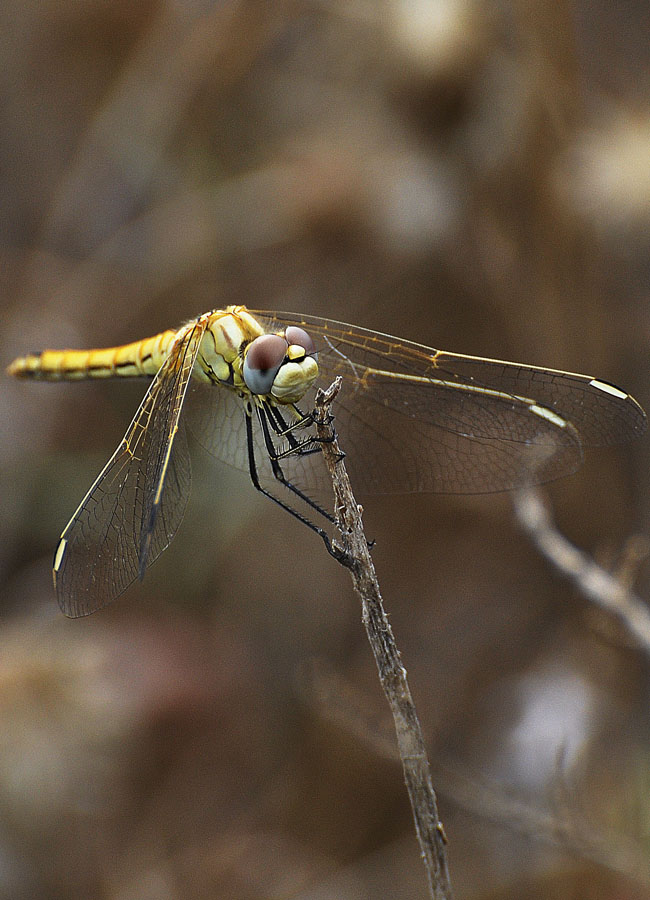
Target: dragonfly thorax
[236, 350]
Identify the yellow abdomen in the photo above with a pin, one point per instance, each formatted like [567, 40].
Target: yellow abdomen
[143, 357]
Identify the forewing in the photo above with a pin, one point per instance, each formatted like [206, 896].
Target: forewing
[135, 506]
[415, 419]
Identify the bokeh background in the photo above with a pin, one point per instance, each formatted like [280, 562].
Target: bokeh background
[471, 175]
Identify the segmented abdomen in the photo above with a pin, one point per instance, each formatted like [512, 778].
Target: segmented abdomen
[143, 357]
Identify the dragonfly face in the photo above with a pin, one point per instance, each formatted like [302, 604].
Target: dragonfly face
[282, 366]
[410, 418]
[236, 351]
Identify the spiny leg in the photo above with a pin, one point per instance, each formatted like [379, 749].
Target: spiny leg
[284, 430]
[274, 458]
[311, 418]
[252, 467]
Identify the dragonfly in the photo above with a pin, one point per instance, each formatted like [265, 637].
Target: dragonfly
[411, 418]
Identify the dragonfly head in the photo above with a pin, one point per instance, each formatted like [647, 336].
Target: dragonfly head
[283, 365]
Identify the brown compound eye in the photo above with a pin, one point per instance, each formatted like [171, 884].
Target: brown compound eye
[264, 356]
[299, 336]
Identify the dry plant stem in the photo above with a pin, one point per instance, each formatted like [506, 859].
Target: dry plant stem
[564, 826]
[594, 582]
[355, 556]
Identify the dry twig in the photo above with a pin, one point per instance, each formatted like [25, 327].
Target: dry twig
[355, 556]
[566, 829]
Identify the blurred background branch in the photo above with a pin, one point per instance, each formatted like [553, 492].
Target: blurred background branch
[596, 584]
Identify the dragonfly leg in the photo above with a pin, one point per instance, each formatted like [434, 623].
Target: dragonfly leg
[252, 465]
[303, 421]
[311, 418]
[327, 420]
[279, 425]
[283, 428]
[274, 458]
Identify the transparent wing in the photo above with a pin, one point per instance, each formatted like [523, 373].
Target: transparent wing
[135, 506]
[216, 417]
[416, 419]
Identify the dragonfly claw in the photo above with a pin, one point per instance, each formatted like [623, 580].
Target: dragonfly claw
[340, 555]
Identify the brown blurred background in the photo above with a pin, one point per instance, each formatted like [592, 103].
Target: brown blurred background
[473, 176]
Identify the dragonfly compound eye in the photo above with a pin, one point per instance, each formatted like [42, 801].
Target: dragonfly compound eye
[299, 336]
[264, 356]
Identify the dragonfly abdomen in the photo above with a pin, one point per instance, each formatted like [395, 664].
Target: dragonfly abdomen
[128, 361]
